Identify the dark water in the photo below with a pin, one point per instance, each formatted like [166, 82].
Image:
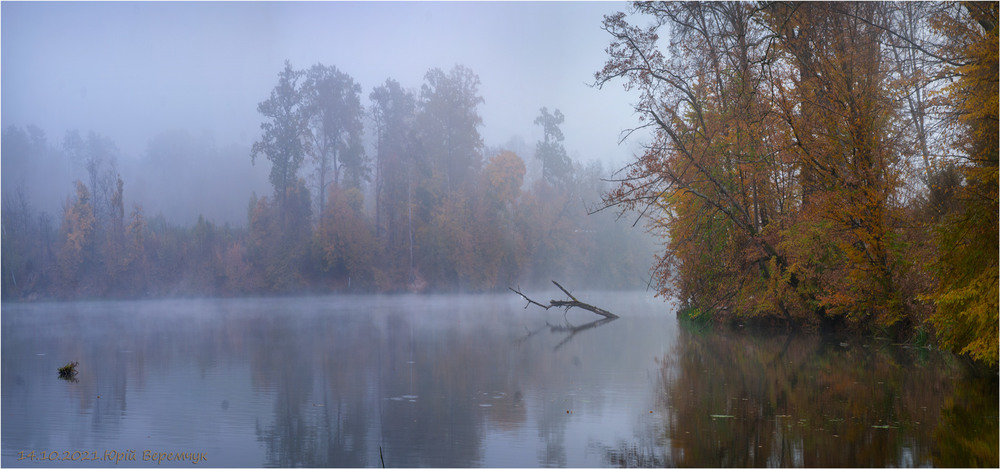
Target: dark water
[467, 381]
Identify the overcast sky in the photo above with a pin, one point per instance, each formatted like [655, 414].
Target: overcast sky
[133, 70]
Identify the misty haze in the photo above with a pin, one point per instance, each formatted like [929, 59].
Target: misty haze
[243, 234]
[275, 156]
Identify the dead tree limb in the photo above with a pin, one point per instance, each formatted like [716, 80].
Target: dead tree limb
[529, 300]
[572, 302]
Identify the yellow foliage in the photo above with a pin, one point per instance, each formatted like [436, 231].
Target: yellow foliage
[504, 175]
[967, 294]
[78, 226]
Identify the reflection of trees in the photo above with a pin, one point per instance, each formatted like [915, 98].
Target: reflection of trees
[331, 385]
[735, 399]
[443, 426]
[453, 370]
[552, 431]
[289, 360]
[316, 366]
[347, 385]
[968, 433]
[632, 455]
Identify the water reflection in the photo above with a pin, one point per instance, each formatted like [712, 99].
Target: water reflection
[967, 435]
[471, 381]
[736, 399]
[568, 329]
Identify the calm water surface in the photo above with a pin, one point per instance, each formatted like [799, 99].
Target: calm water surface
[468, 381]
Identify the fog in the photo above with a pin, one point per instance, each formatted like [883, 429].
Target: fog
[238, 148]
[134, 72]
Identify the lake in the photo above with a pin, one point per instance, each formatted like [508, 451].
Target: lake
[468, 380]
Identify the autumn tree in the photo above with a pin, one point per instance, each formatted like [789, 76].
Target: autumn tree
[98, 156]
[545, 225]
[280, 229]
[346, 239]
[447, 168]
[966, 296]
[780, 173]
[713, 180]
[504, 175]
[76, 254]
[917, 70]
[281, 255]
[847, 154]
[496, 259]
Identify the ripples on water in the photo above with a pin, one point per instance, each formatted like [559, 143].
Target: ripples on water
[470, 381]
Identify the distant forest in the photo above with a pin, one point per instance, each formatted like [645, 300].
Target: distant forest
[416, 203]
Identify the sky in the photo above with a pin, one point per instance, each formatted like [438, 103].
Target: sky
[132, 70]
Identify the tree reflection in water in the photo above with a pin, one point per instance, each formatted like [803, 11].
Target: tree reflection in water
[349, 386]
[453, 381]
[739, 399]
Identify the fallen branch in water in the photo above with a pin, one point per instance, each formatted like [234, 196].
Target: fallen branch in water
[572, 302]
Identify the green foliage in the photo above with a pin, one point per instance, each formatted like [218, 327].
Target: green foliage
[68, 371]
[283, 142]
[333, 112]
[695, 316]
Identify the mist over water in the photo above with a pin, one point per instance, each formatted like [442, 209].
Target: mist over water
[282, 234]
[468, 380]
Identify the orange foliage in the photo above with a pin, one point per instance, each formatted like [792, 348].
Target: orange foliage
[778, 172]
[504, 175]
[346, 240]
[78, 231]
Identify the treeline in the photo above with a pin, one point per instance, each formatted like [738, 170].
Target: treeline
[415, 203]
[821, 163]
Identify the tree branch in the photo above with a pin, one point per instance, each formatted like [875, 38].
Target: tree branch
[572, 302]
